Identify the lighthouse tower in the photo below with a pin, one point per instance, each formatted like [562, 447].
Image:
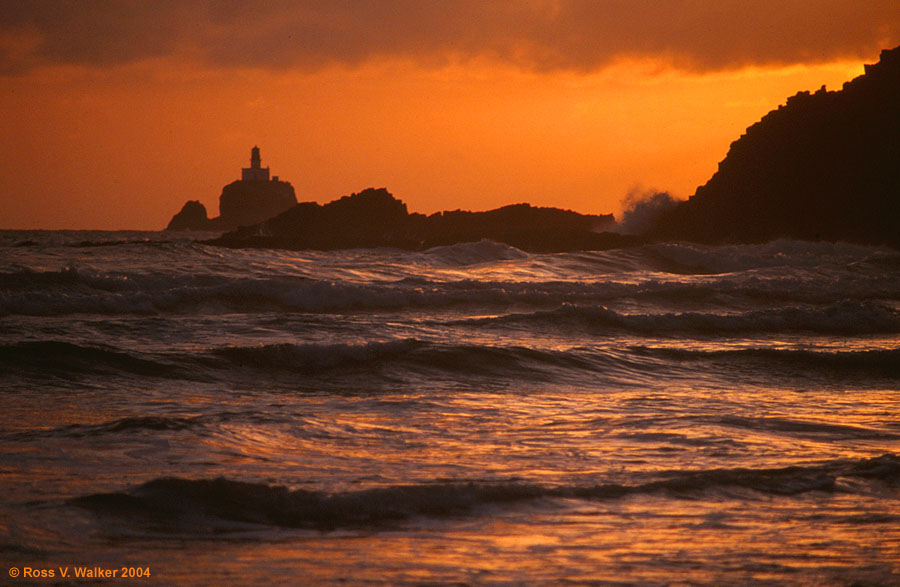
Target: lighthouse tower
[255, 172]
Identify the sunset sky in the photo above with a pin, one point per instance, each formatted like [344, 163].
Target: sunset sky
[114, 113]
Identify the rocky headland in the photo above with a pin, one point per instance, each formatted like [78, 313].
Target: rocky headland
[826, 165]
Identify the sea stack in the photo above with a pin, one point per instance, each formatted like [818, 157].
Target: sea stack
[249, 200]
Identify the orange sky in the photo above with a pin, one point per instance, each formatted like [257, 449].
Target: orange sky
[114, 114]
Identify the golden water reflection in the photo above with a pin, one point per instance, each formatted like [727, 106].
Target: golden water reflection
[653, 539]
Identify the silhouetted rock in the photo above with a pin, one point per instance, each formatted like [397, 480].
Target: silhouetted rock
[824, 166]
[249, 200]
[374, 218]
[191, 217]
[522, 226]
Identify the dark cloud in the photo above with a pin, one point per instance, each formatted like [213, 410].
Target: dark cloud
[582, 35]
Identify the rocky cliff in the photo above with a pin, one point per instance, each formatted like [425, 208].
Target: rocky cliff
[825, 165]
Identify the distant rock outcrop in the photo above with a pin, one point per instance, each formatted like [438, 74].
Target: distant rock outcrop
[824, 166]
[192, 217]
[249, 200]
[374, 218]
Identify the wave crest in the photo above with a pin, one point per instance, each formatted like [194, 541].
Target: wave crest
[257, 503]
[846, 317]
[58, 358]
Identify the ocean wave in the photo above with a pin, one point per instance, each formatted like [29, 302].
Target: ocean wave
[876, 362]
[62, 359]
[846, 317]
[716, 259]
[25, 278]
[313, 357]
[76, 238]
[413, 358]
[73, 290]
[483, 251]
[127, 425]
[51, 358]
[680, 258]
[120, 426]
[194, 502]
[798, 428]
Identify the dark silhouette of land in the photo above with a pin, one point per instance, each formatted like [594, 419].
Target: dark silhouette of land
[375, 218]
[824, 166]
[251, 199]
[264, 213]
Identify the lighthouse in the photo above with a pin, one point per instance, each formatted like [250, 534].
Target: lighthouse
[255, 172]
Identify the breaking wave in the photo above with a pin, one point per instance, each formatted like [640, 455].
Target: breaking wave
[202, 279]
[70, 291]
[483, 251]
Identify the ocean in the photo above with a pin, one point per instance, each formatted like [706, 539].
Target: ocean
[473, 414]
